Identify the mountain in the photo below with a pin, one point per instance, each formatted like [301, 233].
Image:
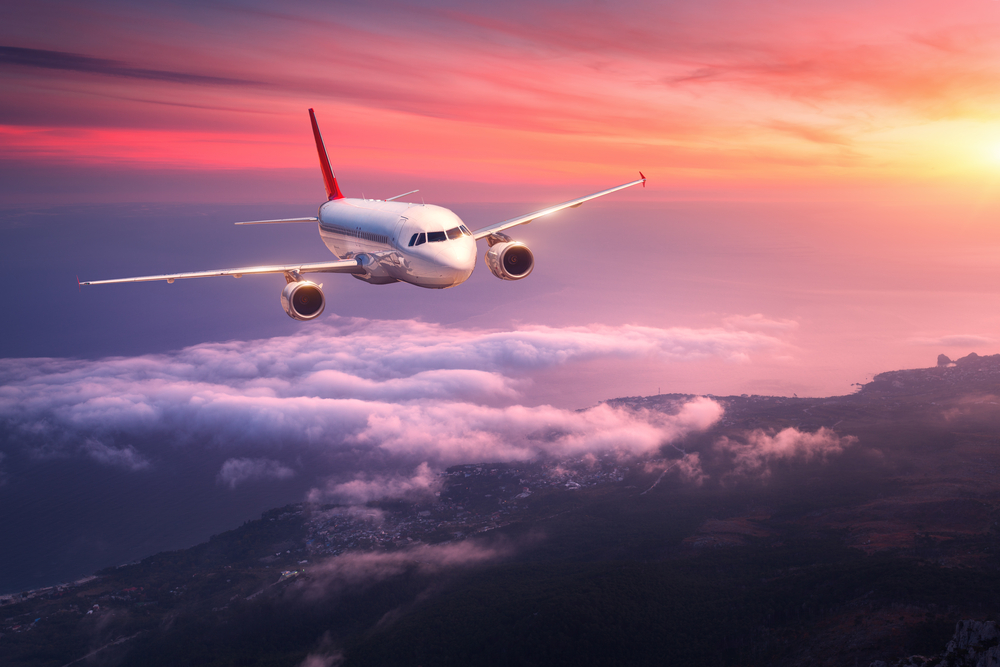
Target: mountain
[839, 531]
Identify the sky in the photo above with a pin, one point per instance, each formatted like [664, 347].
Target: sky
[483, 102]
[822, 201]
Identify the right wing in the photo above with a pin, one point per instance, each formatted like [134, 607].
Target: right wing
[338, 266]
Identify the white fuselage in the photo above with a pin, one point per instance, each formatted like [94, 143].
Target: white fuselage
[423, 245]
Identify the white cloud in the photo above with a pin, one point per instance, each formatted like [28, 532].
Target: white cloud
[760, 449]
[236, 471]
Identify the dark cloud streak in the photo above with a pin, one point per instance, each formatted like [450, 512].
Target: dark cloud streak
[16, 56]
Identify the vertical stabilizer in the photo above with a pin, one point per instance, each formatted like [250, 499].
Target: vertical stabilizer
[329, 179]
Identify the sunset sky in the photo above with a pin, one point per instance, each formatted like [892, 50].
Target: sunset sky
[499, 102]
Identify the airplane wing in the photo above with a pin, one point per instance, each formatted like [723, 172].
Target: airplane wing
[513, 222]
[338, 266]
[278, 222]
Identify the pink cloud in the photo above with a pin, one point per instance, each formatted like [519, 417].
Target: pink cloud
[754, 455]
[357, 569]
[457, 433]
[365, 487]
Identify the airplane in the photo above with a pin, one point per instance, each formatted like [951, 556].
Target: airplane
[387, 241]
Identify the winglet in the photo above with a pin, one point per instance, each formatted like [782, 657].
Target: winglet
[78, 284]
[643, 179]
[329, 179]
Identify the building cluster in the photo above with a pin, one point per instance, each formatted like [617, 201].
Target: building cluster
[47, 593]
[474, 498]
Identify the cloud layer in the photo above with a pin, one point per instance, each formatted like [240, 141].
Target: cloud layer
[360, 410]
[384, 403]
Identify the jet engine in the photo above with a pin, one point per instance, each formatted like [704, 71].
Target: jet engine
[303, 300]
[510, 260]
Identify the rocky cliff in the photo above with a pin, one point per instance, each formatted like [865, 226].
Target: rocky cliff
[974, 644]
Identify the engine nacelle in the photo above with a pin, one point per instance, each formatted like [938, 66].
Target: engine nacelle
[303, 300]
[510, 260]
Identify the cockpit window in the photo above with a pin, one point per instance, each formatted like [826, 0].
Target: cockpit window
[434, 237]
[465, 230]
[413, 239]
[454, 233]
[421, 238]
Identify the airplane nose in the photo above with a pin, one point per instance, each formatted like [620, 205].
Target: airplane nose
[460, 259]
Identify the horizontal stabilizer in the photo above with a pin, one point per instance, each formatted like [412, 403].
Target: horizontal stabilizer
[276, 222]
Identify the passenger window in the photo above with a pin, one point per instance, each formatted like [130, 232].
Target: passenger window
[465, 230]
[454, 233]
[435, 237]
[413, 239]
[421, 239]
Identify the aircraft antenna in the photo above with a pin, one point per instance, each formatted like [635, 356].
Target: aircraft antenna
[403, 195]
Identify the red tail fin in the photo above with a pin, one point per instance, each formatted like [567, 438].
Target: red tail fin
[329, 179]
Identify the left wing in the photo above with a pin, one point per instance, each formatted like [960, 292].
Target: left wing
[338, 266]
[513, 222]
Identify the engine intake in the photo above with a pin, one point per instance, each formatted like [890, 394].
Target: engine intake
[510, 260]
[303, 300]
